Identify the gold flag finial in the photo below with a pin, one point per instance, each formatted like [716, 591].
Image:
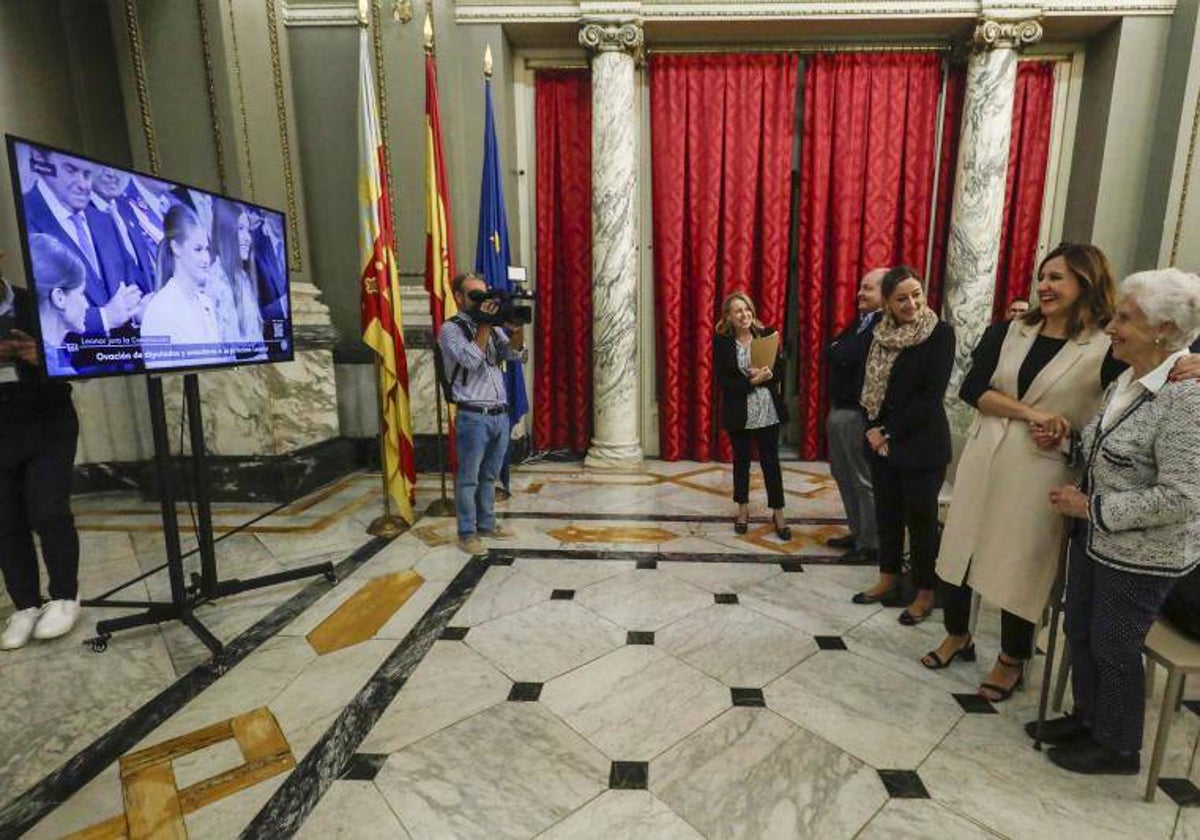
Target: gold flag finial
[428, 32]
[487, 61]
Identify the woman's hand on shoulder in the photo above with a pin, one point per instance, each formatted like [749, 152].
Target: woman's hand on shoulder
[1186, 367]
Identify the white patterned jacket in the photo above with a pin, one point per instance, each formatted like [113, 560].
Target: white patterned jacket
[1143, 483]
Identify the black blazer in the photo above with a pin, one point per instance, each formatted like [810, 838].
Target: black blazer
[736, 387]
[914, 411]
[32, 397]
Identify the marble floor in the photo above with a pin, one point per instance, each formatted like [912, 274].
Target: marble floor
[624, 666]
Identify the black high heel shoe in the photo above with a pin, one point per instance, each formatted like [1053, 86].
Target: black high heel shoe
[740, 525]
[782, 531]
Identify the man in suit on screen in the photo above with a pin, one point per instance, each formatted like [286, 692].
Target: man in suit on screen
[60, 204]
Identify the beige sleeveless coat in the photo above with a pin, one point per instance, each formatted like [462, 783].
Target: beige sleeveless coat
[1000, 522]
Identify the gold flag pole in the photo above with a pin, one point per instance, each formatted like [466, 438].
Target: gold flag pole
[388, 524]
[441, 506]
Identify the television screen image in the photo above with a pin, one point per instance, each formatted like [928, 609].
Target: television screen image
[136, 274]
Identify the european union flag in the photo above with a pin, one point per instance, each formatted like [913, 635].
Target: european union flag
[491, 251]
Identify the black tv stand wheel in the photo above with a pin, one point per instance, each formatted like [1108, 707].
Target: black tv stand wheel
[98, 644]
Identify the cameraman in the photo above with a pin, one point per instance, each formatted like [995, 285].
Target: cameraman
[38, 435]
[472, 351]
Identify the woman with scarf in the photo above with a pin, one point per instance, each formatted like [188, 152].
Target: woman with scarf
[908, 370]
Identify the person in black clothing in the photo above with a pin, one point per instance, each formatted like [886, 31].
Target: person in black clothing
[752, 408]
[38, 435]
[908, 369]
[846, 426]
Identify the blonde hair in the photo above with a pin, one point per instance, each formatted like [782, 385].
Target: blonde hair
[724, 325]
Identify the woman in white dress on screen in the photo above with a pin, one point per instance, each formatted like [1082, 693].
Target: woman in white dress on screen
[239, 316]
[180, 327]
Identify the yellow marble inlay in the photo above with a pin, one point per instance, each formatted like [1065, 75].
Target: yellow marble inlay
[803, 536]
[155, 807]
[436, 534]
[365, 612]
[617, 534]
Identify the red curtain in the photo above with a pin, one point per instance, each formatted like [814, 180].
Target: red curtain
[952, 107]
[1028, 156]
[721, 146]
[563, 342]
[866, 190]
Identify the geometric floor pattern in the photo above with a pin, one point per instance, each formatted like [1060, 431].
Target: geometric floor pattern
[624, 667]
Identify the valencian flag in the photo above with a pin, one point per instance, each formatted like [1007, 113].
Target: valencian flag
[439, 240]
[491, 251]
[383, 329]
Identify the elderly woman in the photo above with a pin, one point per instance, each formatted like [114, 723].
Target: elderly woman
[908, 369]
[1138, 521]
[752, 407]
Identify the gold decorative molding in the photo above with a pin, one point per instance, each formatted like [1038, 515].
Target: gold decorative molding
[1193, 139]
[1006, 34]
[211, 85]
[285, 145]
[241, 92]
[137, 54]
[382, 96]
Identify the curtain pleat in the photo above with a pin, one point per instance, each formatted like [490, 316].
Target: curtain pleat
[562, 417]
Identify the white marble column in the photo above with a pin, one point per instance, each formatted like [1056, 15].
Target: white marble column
[979, 186]
[615, 44]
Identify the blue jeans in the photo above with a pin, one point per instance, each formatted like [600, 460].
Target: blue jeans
[480, 441]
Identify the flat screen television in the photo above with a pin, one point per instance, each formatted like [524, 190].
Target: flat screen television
[137, 274]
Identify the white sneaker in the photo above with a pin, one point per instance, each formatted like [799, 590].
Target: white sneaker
[19, 628]
[58, 617]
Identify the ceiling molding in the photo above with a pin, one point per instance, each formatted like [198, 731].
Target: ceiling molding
[333, 13]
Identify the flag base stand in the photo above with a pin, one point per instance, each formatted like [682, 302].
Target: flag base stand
[388, 526]
[441, 507]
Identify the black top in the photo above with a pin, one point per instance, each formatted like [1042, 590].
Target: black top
[913, 412]
[32, 397]
[736, 387]
[847, 358]
[986, 357]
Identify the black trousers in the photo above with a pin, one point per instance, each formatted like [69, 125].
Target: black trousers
[767, 441]
[907, 499]
[36, 462]
[1108, 614]
[1016, 634]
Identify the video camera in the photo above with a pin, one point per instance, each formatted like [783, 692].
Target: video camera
[516, 307]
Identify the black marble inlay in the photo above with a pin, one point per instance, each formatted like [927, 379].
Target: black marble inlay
[725, 598]
[363, 767]
[525, 692]
[973, 704]
[1182, 792]
[502, 558]
[562, 595]
[454, 634]
[791, 566]
[641, 516]
[903, 784]
[647, 563]
[639, 637]
[25, 811]
[629, 775]
[748, 697]
[830, 642]
[655, 556]
[291, 804]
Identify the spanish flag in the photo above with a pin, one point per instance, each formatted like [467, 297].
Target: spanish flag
[439, 238]
[382, 325]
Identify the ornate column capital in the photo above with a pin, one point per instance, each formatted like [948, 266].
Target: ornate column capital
[1003, 33]
[610, 34]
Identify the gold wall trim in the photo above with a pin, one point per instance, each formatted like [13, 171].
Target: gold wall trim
[211, 84]
[138, 55]
[1187, 179]
[381, 95]
[241, 92]
[285, 146]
